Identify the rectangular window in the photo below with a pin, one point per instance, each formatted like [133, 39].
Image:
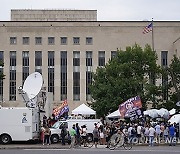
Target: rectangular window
[12, 74]
[63, 40]
[76, 58]
[88, 74]
[76, 86]
[51, 40]
[101, 58]
[88, 82]
[38, 40]
[89, 40]
[63, 75]
[113, 54]
[51, 71]
[25, 65]
[164, 58]
[13, 40]
[76, 75]
[76, 40]
[1, 72]
[38, 61]
[88, 58]
[25, 40]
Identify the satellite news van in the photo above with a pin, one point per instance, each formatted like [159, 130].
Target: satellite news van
[18, 124]
[56, 128]
[22, 123]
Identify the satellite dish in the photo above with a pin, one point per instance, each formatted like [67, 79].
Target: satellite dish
[33, 84]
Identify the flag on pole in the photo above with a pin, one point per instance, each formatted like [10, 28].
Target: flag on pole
[131, 108]
[148, 28]
[61, 109]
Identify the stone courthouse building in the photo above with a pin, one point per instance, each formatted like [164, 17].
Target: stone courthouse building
[66, 46]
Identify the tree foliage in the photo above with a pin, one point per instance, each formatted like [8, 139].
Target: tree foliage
[173, 83]
[124, 76]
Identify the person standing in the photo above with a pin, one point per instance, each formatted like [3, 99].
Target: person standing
[146, 134]
[96, 135]
[158, 132]
[101, 135]
[107, 134]
[166, 134]
[151, 135]
[73, 136]
[42, 134]
[47, 134]
[83, 134]
[77, 128]
[139, 128]
[63, 134]
[172, 135]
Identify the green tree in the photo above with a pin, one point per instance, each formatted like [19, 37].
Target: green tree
[172, 72]
[127, 75]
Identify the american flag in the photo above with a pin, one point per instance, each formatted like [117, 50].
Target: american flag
[148, 28]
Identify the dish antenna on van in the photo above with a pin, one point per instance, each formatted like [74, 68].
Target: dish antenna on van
[31, 88]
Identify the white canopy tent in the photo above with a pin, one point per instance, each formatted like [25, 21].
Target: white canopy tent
[175, 118]
[115, 114]
[83, 110]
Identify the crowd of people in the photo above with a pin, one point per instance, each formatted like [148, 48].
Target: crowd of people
[137, 133]
[144, 133]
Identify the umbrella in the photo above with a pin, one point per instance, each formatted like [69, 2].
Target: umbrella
[153, 113]
[164, 113]
[172, 111]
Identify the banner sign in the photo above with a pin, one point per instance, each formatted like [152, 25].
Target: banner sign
[131, 108]
[61, 109]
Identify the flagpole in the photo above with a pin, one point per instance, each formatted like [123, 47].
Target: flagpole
[152, 34]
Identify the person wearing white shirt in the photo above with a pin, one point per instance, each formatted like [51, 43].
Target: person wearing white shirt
[158, 132]
[166, 134]
[146, 134]
[151, 136]
[139, 133]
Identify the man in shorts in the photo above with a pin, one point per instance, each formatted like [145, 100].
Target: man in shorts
[96, 136]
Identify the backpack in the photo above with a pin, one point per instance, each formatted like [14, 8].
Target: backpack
[63, 132]
[133, 131]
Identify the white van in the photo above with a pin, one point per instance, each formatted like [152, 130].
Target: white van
[56, 128]
[18, 124]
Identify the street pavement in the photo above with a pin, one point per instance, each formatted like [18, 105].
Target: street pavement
[56, 149]
[26, 145]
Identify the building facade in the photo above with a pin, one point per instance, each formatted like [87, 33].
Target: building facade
[67, 52]
[53, 15]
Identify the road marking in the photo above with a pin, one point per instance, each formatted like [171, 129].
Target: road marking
[47, 149]
[152, 150]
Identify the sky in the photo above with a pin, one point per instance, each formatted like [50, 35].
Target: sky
[107, 10]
